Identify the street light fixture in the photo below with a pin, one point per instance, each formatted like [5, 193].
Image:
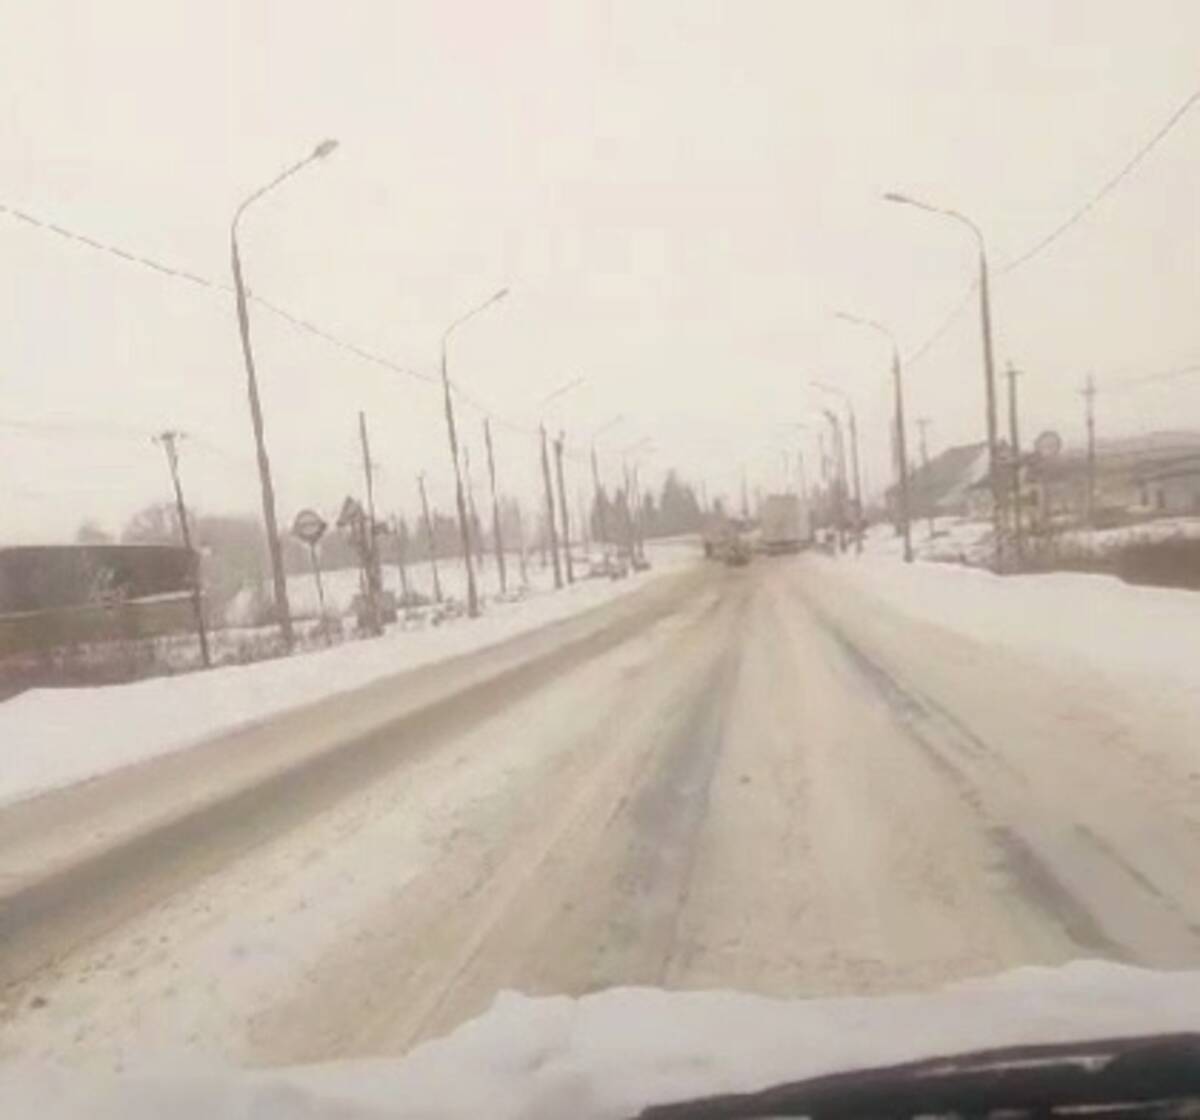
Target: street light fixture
[989, 365]
[459, 493]
[274, 549]
[901, 436]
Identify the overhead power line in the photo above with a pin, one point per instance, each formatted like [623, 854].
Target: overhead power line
[299, 321]
[1073, 219]
[1141, 380]
[1107, 188]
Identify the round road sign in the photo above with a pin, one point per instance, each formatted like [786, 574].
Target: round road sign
[309, 526]
[1048, 444]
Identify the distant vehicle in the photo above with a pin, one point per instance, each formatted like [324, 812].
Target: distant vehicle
[737, 551]
[784, 524]
[718, 531]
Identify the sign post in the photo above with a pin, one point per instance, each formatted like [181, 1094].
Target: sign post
[310, 527]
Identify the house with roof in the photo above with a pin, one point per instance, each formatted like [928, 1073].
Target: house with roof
[1171, 487]
[1134, 477]
[943, 486]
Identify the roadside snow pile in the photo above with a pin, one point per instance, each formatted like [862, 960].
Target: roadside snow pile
[613, 1053]
[1101, 542]
[51, 738]
[955, 540]
[1096, 620]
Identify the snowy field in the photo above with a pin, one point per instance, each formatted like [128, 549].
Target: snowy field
[55, 737]
[611, 1054]
[341, 585]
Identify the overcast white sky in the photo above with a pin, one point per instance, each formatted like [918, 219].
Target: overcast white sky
[678, 194]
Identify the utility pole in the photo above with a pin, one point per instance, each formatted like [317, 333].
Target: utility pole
[989, 365]
[402, 556]
[452, 437]
[923, 425]
[551, 535]
[374, 574]
[476, 526]
[562, 505]
[585, 533]
[1089, 396]
[902, 452]
[1015, 439]
[521, 554]
[168, 440]
[429, 537]
[497, 535]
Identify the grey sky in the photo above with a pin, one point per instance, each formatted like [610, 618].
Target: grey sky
[679, 196]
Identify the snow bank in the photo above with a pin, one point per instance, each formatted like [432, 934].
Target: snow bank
[54, 737]
[1095, 620]
[610, 1054]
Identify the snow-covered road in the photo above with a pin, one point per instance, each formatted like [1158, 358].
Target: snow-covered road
[761, 778]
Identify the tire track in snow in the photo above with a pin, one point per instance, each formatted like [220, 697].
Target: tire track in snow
[1049, 859]
[43, 922]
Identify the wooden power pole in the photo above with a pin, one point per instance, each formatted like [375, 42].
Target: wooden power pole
[370, 539]
[497, 536]
[1014, 434]
[1089, 397]
[551, 534]
[562, 505]
[168, 440]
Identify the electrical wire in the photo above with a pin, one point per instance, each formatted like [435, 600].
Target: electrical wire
[1107, 188]
[298, 321]
[1127, 383]
[1073, 219]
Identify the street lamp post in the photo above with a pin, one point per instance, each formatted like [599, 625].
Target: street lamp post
[858, 515]
[459, 492]
[274, 549]
[901, 437]
[989, 365]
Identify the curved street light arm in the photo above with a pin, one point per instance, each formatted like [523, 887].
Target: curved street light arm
[566, 387]
[945, 211]
[876, 326]
[322, 150]
[608, 426]
[496, 298]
